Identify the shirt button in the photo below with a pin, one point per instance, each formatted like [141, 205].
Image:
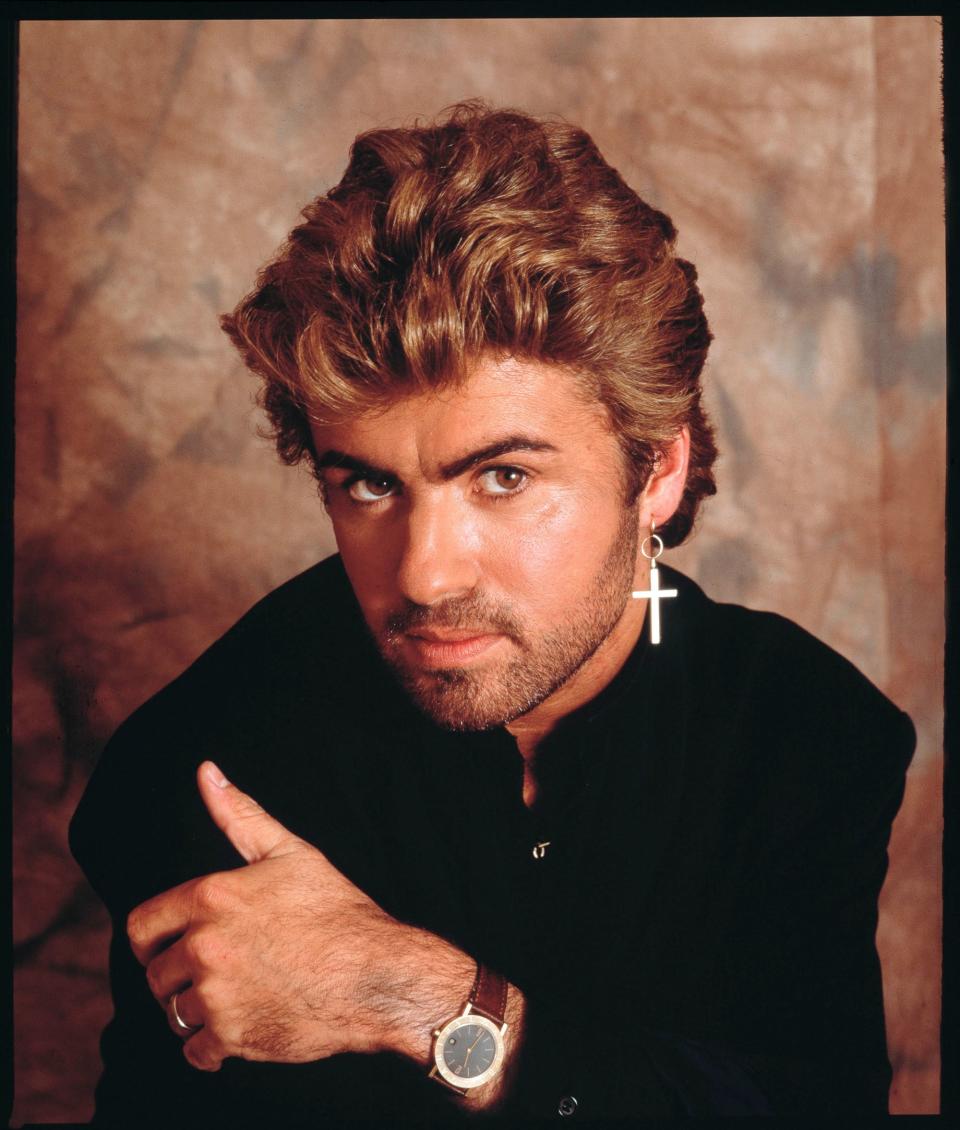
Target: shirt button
[568, 1104]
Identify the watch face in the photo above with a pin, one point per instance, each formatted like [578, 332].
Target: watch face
[469, 1050]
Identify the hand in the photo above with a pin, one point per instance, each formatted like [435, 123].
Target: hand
[285, 959]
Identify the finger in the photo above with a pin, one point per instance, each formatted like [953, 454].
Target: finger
[168, 972]
[204, 1051]
[156, 923]
[188, 1009]
[253, 832]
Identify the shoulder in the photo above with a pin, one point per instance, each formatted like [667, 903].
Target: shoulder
[299, 634]
[773, 653]
[272, 701]
[314, 610]
[805, 705]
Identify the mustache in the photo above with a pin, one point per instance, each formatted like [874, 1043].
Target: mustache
[456, 613]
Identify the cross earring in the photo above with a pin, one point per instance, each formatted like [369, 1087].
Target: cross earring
[655, 593]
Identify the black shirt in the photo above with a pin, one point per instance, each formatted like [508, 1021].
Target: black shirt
[697, 937]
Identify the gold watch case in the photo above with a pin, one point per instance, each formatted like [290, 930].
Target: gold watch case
[467, 1017]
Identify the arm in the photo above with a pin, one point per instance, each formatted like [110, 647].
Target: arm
[286, 961]
[798, 982]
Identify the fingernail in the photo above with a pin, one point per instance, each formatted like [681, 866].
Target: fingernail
[215, 776]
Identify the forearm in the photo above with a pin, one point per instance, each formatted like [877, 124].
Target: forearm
[416, 988]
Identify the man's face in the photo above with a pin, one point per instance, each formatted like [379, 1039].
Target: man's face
[485, 532]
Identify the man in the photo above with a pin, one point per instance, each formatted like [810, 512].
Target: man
[530, 843]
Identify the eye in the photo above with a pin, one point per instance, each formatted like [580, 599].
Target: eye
[370, 490]
[503, 480]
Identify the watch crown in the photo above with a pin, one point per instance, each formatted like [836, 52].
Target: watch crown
[436, 1032]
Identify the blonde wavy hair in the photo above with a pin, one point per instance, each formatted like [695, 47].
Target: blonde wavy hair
[488, 231]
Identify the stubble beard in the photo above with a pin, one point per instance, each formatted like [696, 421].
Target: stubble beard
[466, 699]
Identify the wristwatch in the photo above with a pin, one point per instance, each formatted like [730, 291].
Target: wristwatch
[468, 1050]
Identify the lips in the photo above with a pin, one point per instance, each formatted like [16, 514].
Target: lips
[448, 647]
[447, 635]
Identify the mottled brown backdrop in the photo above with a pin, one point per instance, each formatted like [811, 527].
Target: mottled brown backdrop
[162, 161]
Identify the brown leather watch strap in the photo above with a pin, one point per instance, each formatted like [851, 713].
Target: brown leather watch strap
[489, 994]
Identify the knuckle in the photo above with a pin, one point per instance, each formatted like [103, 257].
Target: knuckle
[211, 893]
[247, 808]
[201, 946]
[206, 1000]
[135, 926]
[196, 1057]
[153, 980]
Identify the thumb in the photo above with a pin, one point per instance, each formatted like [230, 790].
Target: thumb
[251, 830]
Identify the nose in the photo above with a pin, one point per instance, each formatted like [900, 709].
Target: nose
[438, 560]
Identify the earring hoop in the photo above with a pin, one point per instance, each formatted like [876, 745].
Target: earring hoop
[651, 538]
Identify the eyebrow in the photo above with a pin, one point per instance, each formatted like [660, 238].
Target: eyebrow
[334, 458]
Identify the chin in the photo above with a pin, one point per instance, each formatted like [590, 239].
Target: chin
[461, 701]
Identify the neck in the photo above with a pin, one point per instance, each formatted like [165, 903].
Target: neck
[530, 729]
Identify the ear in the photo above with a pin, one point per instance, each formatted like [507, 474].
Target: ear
[664, 491]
